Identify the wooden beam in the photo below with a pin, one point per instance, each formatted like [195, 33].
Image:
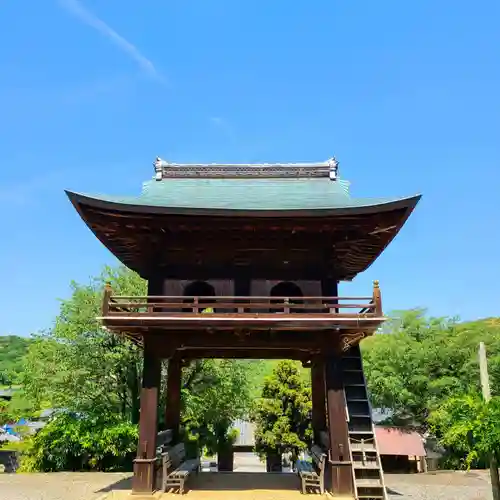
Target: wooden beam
[318, 393]
[259, 341]
[293, 341]
[173, 401]
[143, 480]
[338, 429]
[246, 353]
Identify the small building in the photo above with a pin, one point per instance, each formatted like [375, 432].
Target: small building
[401, 450]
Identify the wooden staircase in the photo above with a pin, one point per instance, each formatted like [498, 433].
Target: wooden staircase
[367, 474]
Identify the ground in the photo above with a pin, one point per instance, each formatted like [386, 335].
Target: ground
[93, 486]
[249, 482]
[442, 485]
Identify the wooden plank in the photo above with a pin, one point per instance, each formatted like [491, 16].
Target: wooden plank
[274, 320]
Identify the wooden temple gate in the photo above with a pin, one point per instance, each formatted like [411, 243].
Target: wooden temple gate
[244, 262]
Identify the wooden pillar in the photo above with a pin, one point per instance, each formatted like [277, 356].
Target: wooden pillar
[242, 282]
[329, 287]
[318, 397]
[144, 465]
[173, 400]
[338, 432]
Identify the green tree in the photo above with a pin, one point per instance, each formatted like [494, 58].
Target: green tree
[419, 361]
[77, 443]
[15, 409]
[12, 352]
[77, 364]
[469, 428]
[5, 414]
[282, 414]
[215, 393]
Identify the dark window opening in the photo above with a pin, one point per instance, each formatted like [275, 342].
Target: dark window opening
[289, 290]
[200, 291]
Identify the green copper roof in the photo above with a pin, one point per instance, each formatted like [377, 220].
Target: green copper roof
[255, 194]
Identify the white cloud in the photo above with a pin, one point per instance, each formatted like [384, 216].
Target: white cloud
[76, 8]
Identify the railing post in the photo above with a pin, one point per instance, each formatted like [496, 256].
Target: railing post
[196, 309]
[239, 306]
[377, 299]
[105, 298]
[286, 310]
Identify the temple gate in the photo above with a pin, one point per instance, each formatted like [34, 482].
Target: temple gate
[244, 261]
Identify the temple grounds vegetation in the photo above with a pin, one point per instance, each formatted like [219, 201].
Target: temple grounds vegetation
[423, 370]
[12, 351]
[282, 413]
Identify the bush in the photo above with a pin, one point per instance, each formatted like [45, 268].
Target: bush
[81, 443]
[282, 414]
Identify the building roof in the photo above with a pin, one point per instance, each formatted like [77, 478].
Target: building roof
[5, 436]
[45, 414]
[248, 195]
[397, 441]
[185, 206]
[6, 393]
[247, 188]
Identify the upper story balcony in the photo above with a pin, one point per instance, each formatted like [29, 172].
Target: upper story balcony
[216, 313]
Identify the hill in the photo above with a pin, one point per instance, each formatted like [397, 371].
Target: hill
[12, 351]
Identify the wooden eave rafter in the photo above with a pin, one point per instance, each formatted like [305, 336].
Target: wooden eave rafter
[349, 239]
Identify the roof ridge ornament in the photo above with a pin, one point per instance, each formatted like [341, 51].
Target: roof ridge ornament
[159, 164]
[333, 165]
[164, 170]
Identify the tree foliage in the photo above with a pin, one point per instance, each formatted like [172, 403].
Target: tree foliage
[469, 428]
[15, 409]
[81, 443]
[78, 365]
[215, 393]
[282, 414]
[418, 362]
[12, 352]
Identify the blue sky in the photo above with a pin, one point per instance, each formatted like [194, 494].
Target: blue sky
[405, 94]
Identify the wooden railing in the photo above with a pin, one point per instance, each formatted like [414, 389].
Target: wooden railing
[157, 306]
